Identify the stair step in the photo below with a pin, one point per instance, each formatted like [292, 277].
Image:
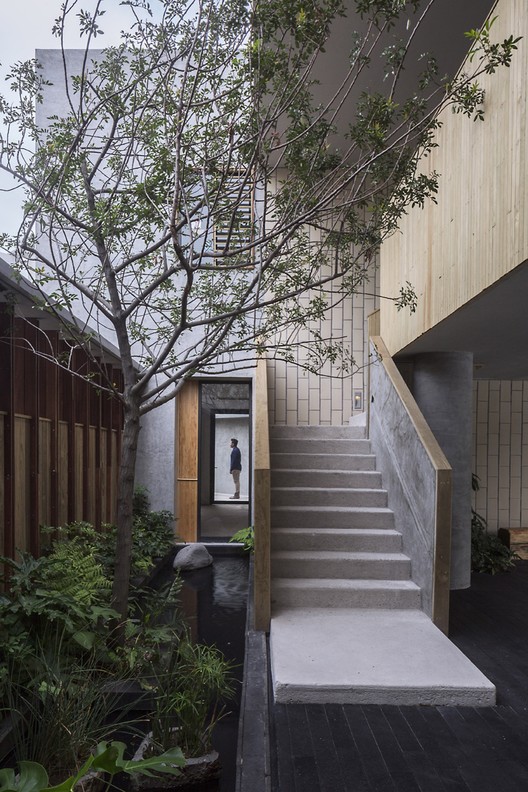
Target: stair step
[334, 517]
[348, 479]
[318, 461]
[319, 496]
[329, 564]
[295, 432]
[351, 539]
[305, 445]
[341, 593]
[351, 656]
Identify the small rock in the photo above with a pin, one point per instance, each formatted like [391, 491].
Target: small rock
[193, 556]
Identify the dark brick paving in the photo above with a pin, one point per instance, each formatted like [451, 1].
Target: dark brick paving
[353, 748]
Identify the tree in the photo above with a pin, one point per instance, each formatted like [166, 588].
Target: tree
[195, 188]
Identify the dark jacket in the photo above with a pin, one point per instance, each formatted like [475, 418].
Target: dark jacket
[236, 459]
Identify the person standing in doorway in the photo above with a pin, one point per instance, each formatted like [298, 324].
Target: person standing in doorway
[235, 467]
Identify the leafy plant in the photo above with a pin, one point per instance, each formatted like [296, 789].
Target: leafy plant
[108, 757]
[488, 553]
[152, 537]
[189, 689]
[47, 604]
[152, 531]
[61, 706]
[246, 537]
[155, 622]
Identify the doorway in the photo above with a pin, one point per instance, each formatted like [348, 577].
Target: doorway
[225, 413]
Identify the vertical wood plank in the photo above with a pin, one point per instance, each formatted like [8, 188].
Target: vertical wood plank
[22, 446]
[91, 477]
[186, 507]
[78, 464]
[114, 448]
[44, 472]
[2, 485]
[103, 479]
[63, 473]
[262, 514]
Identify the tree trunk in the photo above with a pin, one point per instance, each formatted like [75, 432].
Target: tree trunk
[125, 495]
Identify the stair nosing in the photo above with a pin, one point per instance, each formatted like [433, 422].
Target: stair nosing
[360, 555]
[385, 583]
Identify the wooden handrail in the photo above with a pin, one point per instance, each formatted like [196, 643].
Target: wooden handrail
[261, 494]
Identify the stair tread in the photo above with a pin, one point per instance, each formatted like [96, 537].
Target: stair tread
[359, 555]
[369, 490]
[343, 583]
[326, 509]
[322, 453]
[339, 531]
[334, 471]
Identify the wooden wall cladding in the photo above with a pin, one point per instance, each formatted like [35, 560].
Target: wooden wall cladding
[59, 438]
[476, 232]
[2, 485]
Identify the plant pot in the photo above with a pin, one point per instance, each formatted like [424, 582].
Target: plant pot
[94, 781]
[198, 770]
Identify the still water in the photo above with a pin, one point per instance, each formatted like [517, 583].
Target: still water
[214, 601]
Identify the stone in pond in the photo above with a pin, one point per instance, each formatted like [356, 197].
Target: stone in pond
[193, 556]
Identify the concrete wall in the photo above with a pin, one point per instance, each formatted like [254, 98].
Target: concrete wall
[409, 475]
[500, 452]
[442, 385]
[155, 460]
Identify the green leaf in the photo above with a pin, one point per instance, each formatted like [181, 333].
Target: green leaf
[110, 759]
[7, 780]
[167, 762]
[32, 777]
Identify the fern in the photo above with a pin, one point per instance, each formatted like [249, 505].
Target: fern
[74, 571]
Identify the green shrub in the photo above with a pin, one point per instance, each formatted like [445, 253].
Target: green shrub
[152, 537]
[488, 553]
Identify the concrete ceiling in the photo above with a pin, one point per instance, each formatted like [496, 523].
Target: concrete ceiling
[441, 33]
[494, 326]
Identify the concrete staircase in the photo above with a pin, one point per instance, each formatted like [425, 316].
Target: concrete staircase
[333, 537]
[345, 611]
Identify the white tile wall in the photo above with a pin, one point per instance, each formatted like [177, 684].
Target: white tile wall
[500, 452]
[297, 397]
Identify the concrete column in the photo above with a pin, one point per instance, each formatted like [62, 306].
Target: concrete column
[442, 387]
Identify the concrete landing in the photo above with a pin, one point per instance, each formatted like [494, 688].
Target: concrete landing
[351, 656]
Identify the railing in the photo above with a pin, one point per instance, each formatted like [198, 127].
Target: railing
[261, 500]
[418, 477]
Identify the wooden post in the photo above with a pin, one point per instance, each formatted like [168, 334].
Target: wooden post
[186, 508]
[262, 514]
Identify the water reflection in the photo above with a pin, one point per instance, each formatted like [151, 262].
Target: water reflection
[230, 585]
[214, 602]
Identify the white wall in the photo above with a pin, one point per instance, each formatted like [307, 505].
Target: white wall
[226, 427]
[299, 398]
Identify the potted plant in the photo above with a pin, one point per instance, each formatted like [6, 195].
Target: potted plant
[107, 760]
